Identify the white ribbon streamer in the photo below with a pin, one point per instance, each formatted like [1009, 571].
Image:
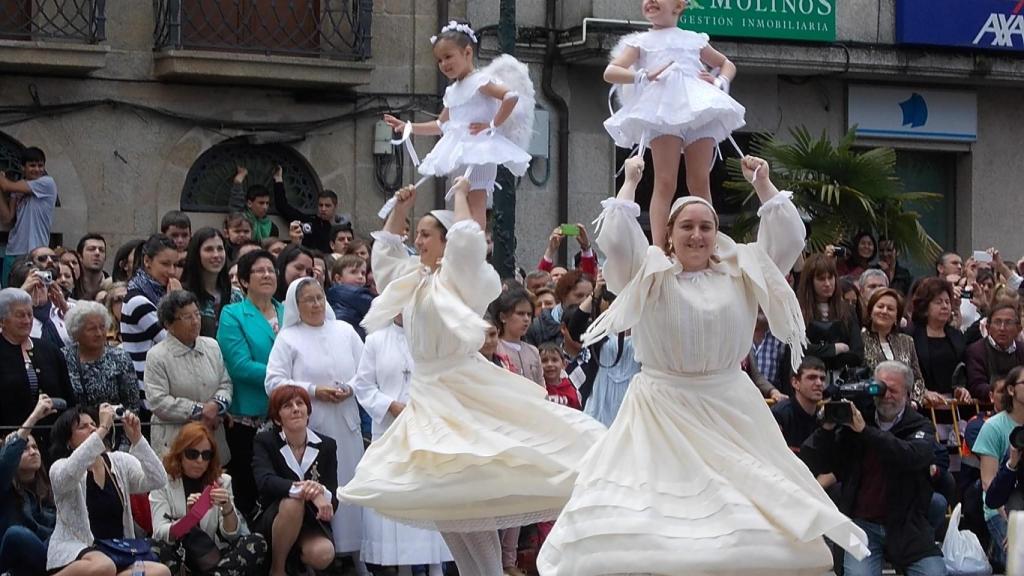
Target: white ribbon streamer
[388, 206]
[406, 140]
[451, 191]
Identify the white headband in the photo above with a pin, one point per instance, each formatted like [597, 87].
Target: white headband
[454, 26]
[685, 200]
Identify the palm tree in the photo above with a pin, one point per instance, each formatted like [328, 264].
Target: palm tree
[840, 189]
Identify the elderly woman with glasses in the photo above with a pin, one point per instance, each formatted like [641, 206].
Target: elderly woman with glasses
[185, 375]
[28, 366]
[98, 371]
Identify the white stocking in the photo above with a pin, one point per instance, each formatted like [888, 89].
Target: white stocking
[475, 553]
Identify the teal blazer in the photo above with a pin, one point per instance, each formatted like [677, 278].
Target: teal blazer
[245, 339]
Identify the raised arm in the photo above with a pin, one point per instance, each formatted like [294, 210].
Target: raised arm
[284, 208]
[781, 234]
[465, 268]
[236, 200]
[390, 258]
[619, 235]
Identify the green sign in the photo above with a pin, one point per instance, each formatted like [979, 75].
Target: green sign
[813, 20]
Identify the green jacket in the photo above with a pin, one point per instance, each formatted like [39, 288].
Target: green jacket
[245, 339]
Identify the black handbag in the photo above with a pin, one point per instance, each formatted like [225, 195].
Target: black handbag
[124, 552]
[201, 552]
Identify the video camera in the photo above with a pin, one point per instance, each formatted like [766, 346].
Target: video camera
[851, 385]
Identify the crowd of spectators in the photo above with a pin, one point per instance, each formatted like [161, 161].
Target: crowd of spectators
[201, 397]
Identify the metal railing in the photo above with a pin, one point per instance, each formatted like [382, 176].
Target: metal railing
[336, 29]
[61, 20]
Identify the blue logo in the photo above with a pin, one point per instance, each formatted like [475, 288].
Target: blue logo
[915, 111]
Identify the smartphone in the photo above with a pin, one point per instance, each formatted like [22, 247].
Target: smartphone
[982, 256]
[570, 230]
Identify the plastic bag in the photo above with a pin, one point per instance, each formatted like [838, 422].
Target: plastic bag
[962, 550]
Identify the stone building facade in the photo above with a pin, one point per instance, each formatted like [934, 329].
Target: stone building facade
[136, 103]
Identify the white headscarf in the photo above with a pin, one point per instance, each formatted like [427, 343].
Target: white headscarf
[291, 304]
[445, 217]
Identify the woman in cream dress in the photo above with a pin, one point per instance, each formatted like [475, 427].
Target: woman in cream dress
[694, 476]
[477, 448]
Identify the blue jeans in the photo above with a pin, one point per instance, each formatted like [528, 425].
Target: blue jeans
[22, 552]
[872, 565]
[997, 532]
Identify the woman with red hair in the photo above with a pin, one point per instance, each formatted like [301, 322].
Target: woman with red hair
[296, 473]
[198, 497]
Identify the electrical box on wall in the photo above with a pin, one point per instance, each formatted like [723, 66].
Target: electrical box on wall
[382, 135]
[540, 144]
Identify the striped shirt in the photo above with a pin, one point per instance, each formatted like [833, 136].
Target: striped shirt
[140, 331]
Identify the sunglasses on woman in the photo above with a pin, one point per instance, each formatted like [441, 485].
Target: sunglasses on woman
[193, 454]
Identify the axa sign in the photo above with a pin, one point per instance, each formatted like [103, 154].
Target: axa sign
[978, 24]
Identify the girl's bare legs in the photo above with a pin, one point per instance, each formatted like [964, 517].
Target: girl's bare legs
[666, 151]
[699, 157]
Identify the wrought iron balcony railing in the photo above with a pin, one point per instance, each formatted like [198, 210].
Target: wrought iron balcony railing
[61, 20]
[337, 29]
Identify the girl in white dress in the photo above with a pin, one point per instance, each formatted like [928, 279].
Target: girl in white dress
[320, 354]
[382, 388]
[677, 106]
[477, 448]
[477, 106]
[694, 476]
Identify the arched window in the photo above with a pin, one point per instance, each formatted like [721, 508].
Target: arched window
[209, 181]
[10, 156]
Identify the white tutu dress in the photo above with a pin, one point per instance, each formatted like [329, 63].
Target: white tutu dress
[477, 447]
[678, 103]
[458, 150]
[694, 478]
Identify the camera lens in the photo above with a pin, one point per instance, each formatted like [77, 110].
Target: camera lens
[1017, 438]
[119, 412]
[307, 228]
[59, 404]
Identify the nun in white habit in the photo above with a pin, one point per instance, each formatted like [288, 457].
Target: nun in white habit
[382, 388]
[321, 355]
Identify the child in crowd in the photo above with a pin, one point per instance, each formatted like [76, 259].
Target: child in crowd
[177, 226]
[348, 296]
[560, 389]
[238, 231]
[676, 105]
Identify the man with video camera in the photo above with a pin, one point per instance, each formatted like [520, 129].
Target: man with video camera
[998, 448]
[883, 460]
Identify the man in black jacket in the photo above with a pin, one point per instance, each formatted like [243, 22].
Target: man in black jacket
[883, 460]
